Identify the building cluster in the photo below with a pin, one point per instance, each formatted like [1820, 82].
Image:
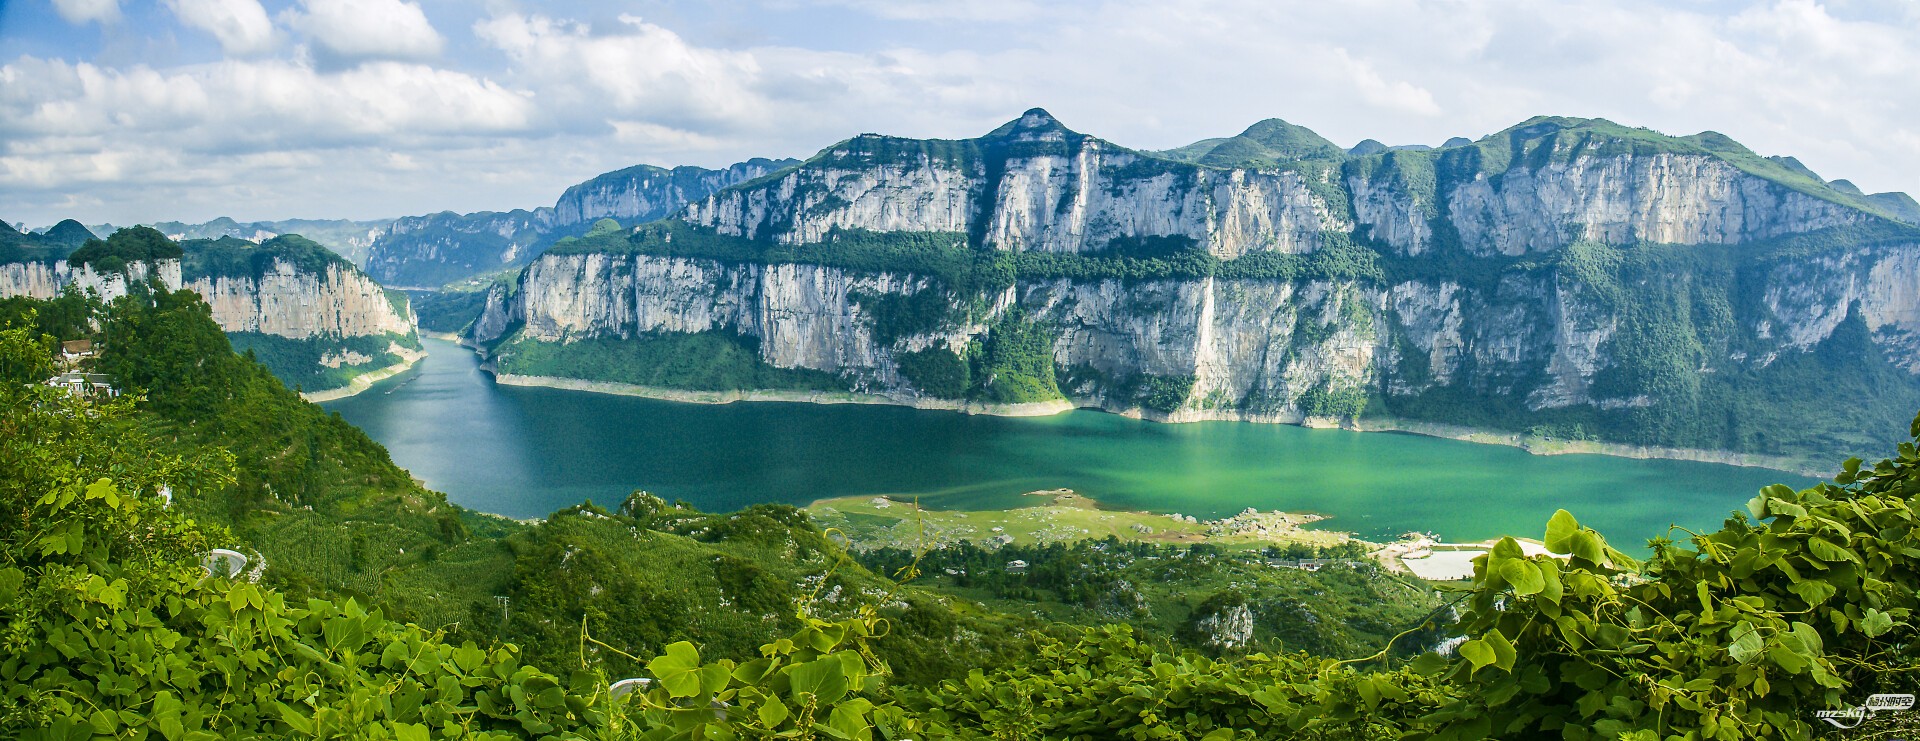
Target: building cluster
[73, 360]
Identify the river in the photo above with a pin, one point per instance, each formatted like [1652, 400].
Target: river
[525, 452]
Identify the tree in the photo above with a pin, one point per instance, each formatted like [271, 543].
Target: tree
[24, 359]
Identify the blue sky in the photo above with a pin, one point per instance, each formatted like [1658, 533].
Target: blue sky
[126, 111]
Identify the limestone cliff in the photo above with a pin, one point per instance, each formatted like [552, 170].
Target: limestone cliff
[1571, 277]
[45, 280]
[337, 301]
[308, 314]
[1031, 185]
[644, 192]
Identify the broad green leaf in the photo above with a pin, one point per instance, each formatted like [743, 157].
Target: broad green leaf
[849, 719]
[1560, 531]
[677, 669]
[824, 679]
[1478, 652]
[294, 718]
[1428, 664]
[1876, 623]
[11, 581]
[1589, 547]
[1787, 659]
[1747, 643]
[1826, 551]
[1503, 651]
[1813, 591]
[773, 712]
[1508, 548]
[411, 732]
[1550, 574]
[1523, 575]
[1369, 693]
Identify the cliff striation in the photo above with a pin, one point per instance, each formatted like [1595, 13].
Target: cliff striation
[44, 280]
[308, 314]
[1566, 278]
[305, 312]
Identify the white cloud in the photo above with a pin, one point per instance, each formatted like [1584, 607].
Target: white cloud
[946, 10]
[83, 11]
[241, 26]
[565, 99]
[85, 123]
[1394, 95]
[357, 29]
[637, 67]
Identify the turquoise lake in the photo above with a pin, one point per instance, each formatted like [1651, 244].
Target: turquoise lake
[525, 452]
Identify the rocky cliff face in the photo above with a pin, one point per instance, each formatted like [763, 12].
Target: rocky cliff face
[47, 280]
[1666, 198]
[644, 192]
[283, 301]
[314, 320]
[1032, 185]
[433, 250]
[1507, 283]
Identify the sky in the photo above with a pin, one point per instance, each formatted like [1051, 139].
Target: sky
[126, 111]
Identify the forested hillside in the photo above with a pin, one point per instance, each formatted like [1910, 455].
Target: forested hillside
[376, 588]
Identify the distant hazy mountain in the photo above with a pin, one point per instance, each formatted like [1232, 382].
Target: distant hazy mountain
[349, 239]
[431, 250]
[54, 243]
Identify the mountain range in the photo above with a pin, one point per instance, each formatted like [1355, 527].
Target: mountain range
[1575, 278]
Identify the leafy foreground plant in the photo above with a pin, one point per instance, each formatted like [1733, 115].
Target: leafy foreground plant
[112, 629]
[1741, 633]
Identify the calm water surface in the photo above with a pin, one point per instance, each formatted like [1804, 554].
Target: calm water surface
[525, 452]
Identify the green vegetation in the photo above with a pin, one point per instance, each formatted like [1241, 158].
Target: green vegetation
[704, 361]
[1804, 602]
[1014, 363]
[66, 317]
[1052, 518]
[1543, 140]
[320, 362]
[894, 316]
[963, 272]
[942, 256]
[1345, 402]
[1347, 608]
[49, 246]
[1681, 308]
[230, 257]
[1268, 143]
[129, 245]
[1271, 145]
[936, 371]
[447, 311]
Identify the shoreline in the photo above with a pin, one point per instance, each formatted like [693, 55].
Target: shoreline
[1036, 409]
[366, 380]
[1533, 446]
[1537, 446]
